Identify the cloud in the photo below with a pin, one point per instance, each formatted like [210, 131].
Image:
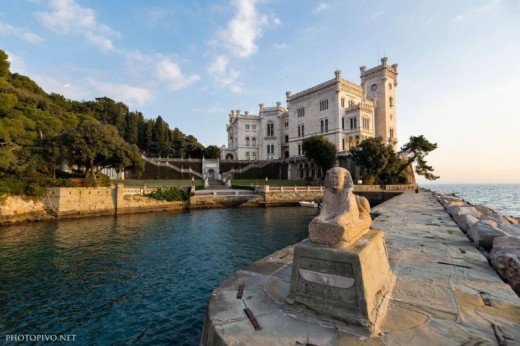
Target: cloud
[482, 10]
[131, 95]
[169, 72]
[219, 65]
[321, 7]
[156, 17]
[243, 30]
[376, 15]
[281, 46]
[225, 77]
[66, 16]
[24, 34]
[64, 87]
[17, 64]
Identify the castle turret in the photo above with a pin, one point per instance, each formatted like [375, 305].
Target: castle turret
[380, 84]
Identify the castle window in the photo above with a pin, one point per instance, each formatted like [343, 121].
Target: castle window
[391, 133]
[254, 141]
[326, 125]
[353, 123]
[303, 130]
[286, 125]
[342, 102]
[343, 143]
[270, 130]
[254, 127]
[254, 155]
[247, 155]
[286, 138]
[301, 112]
[391, 101]
[268, 149]
[247, 126]
[342, 123]
[350, 103]
[324, 105]
[299, 131]
[366, 124]
[272, 149]
[247, 141]
[322, 126]
[299, 149]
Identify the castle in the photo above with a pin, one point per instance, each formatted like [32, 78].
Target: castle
[343, 112]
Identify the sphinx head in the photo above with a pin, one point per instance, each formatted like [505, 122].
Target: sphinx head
[338, 178]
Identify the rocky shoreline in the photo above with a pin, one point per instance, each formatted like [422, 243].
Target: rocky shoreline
[495, 235]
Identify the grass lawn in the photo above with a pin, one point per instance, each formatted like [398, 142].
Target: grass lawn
[159, 182]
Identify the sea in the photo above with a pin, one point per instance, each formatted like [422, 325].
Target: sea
[503, 198]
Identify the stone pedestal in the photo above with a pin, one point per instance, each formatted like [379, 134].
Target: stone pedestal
[346, 283]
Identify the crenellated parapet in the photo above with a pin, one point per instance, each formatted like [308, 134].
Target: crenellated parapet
[389, 69]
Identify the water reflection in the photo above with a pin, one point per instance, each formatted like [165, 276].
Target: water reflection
[144, 277]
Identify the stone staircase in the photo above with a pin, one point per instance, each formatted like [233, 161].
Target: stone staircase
[216, 185]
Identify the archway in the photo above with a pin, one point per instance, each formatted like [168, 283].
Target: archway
[229, 157]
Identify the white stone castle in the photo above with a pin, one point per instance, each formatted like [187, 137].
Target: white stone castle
[343, 112]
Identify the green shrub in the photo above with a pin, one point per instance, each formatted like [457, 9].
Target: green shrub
[171, 194]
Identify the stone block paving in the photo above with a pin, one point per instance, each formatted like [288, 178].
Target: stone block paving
[445, 293]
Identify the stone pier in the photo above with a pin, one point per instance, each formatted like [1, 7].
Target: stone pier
[445, 292]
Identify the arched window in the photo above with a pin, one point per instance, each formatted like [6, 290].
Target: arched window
[303, 131]
[247, 141]
[326, 125]
[321, 126]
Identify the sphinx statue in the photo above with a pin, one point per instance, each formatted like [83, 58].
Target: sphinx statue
[344, 217]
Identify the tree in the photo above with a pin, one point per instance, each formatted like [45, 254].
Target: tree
[378, 162]
[320, 150]
[415, 151]
[96, 146]
[212, 152]
[4, 64]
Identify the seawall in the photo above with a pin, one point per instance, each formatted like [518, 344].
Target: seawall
[61, 203]
[73, 202]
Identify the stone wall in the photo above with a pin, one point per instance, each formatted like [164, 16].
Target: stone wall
[14, 209]
[70, 202]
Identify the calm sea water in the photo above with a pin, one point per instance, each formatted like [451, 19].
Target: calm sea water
[138, 279]
[503, 198]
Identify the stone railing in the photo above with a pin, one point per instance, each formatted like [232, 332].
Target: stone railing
[267, 188]
[367, 188]
[224, 193]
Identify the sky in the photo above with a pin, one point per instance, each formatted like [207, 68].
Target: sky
[193, 61]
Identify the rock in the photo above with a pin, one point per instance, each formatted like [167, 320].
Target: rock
[490, 214]
[467, 221]
[512, 220]
[450, 200]
[461, 216]
[483, 233]
[510, 230]
[505, 257]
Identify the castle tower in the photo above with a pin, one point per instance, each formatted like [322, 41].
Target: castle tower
[380, 84]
